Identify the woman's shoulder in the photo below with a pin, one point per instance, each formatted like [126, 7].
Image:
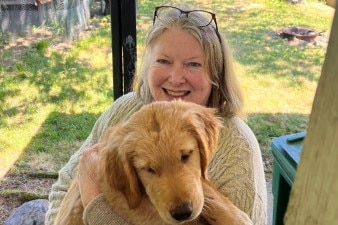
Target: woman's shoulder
[129, 100]
[119, 111]
[237, 125]
[237, 131]
[124, 107]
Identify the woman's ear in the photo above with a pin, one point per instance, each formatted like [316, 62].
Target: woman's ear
[206, 128]
[117, 170]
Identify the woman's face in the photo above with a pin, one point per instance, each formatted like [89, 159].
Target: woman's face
[178, 68]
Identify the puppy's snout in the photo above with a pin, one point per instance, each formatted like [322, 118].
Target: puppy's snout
[182, 212]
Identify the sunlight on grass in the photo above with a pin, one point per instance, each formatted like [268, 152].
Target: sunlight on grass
[85, 49]
[14, 142]
[51, 99]
[276, 96]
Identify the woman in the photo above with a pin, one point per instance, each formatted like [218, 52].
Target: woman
[185, 57]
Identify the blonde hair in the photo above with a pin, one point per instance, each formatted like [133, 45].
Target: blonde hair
[225, 94]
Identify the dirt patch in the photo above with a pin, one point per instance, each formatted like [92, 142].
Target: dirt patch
[18, 189]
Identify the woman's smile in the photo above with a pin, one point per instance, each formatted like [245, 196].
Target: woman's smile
[173, 93]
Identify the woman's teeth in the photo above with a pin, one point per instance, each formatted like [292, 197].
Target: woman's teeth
[177, 93]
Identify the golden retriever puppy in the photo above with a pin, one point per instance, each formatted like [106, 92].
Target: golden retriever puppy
[154, 170]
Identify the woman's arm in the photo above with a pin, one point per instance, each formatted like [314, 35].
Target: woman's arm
[59, 189]
[97, 210]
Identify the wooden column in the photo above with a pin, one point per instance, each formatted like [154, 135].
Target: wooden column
[314, 195]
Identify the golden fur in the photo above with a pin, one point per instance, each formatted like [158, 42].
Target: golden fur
[154, 170]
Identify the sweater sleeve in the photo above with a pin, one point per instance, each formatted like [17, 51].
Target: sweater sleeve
[237, 170]
[98, 212]
[118, 112]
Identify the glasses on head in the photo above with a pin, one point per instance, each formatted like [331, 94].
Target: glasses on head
[195, 15]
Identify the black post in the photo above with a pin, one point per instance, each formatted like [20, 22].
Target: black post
[123, 31]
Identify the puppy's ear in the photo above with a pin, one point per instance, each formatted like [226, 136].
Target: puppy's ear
[117, 169]
[206, 127]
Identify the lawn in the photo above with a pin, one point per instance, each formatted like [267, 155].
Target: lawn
[50, 98]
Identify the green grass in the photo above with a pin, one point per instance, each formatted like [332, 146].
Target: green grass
[50, 100]
[279, 81]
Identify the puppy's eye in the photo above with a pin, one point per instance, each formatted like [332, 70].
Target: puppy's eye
[150, 170]
[184, 158]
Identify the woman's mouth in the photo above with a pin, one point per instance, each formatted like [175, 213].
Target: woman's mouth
[176, 93]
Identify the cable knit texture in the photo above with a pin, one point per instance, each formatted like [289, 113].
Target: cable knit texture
[99, 208]
[236, 168]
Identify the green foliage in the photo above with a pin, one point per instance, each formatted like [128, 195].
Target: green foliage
[268, 126]
[57, 27]
[42, 46]
[22, 196]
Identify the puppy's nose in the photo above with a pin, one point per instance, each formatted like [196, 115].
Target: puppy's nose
[182, 212]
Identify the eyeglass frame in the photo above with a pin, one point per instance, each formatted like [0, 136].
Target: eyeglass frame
[186, 12]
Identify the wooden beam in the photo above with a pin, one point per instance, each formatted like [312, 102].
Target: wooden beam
[314, 195]
[331, 3]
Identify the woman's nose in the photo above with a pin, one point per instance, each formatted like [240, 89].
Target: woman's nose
[177, 75]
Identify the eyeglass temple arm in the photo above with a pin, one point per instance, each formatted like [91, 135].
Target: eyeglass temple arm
[215, 22]
[155, 15]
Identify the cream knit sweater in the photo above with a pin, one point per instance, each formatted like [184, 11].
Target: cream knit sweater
[236, 168]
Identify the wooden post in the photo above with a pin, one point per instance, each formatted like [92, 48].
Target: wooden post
[314, 195]
[123, 30]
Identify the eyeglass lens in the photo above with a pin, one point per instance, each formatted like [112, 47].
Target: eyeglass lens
[195, 15]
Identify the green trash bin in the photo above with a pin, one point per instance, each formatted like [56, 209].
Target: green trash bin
[286, 152]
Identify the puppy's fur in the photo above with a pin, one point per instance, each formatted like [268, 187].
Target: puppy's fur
[154, 170]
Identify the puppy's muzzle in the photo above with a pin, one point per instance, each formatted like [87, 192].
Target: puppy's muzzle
[182, 212]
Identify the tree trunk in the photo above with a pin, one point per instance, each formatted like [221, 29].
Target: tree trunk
[314, 195]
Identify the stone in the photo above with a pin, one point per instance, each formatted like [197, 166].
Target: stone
[29, 213]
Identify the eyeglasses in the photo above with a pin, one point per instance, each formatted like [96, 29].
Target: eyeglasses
[195, 15]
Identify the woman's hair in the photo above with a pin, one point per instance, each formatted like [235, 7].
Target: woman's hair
[225, 94]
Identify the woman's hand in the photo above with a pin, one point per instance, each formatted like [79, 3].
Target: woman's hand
[88, 175]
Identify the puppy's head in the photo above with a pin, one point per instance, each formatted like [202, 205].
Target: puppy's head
[162, 151]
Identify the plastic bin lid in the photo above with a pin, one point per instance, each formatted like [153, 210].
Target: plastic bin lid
[293, 145]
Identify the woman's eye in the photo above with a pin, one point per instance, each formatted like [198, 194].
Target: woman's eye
[194, 64]
[162, 61]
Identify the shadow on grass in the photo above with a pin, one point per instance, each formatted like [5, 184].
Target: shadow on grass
[267, 126]
[57, 139]
[39, 81]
